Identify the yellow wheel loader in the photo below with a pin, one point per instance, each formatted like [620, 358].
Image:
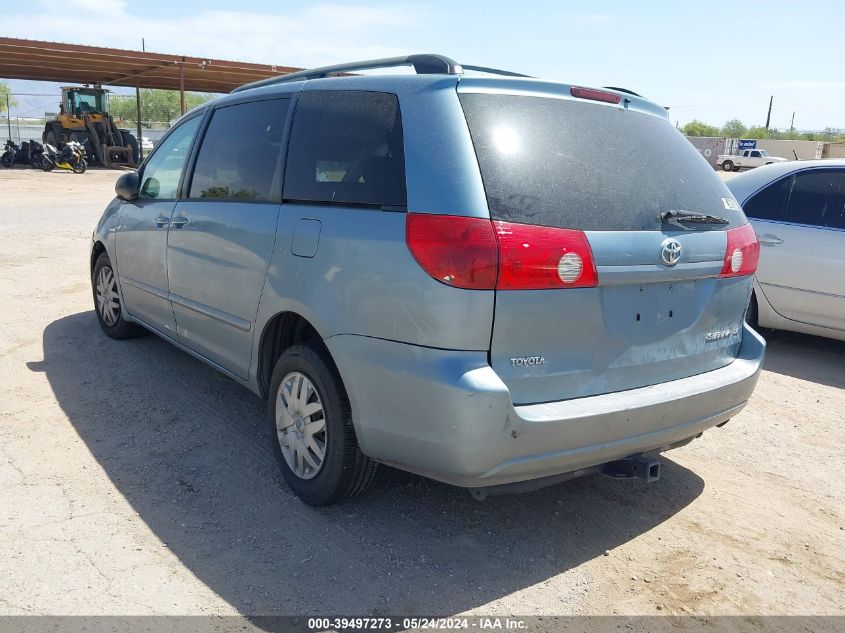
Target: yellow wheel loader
[84, 117]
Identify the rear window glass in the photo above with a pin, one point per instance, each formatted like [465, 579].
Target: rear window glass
[346, 148]
[575, 164]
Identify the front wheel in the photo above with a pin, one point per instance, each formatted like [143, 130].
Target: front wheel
[8, 160]
[310, 421]
[728, 166]
[80, 166]
[107, 303]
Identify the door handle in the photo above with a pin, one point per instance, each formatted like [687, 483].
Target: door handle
[161, 221]
[179, 222]
[770, 240]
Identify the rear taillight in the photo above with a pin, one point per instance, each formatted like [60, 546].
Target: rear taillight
[742, 253]
[538, 257]
[478, 254]
[456, 250]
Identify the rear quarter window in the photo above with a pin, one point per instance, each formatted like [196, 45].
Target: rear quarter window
[346, 147]
[574, 164]
[768, 203]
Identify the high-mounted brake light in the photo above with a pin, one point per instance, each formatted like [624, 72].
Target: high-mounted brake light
[595, 95]
[478, 254]
[742, 253]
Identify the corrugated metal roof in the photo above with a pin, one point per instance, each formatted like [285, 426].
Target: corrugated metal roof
[74, 63]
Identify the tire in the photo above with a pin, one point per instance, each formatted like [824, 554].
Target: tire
[112, 322]
[80, 166]
[344, 471]
[728, 165]
[8, 160]
[132, 142]
[46, 164]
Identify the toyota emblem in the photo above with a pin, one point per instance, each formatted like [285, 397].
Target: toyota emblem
[670, 251]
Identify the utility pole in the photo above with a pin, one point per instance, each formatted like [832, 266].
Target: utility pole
[792, 124]
[769, 115]
[138, 112]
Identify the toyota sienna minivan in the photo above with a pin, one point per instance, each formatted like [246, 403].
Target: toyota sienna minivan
[494, 281]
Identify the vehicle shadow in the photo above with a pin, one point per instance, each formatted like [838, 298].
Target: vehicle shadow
[188, 449]
[806, 357]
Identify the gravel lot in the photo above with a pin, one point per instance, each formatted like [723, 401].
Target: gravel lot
[135, 480]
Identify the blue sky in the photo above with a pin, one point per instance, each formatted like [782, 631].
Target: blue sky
[706, 60]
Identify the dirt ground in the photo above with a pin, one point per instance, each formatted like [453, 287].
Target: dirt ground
[136, 480]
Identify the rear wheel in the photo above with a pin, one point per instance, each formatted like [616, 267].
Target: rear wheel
[8, 159]
[107, 303]
[46, 164]
[310, 421]
[728, 165]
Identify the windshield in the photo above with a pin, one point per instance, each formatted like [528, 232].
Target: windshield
[573, 164]
[80, 103]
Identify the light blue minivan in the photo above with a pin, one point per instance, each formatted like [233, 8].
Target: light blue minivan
[491, 280]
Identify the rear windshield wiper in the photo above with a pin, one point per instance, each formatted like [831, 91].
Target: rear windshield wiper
[680, 217]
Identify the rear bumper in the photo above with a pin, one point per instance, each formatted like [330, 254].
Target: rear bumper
[447, 415]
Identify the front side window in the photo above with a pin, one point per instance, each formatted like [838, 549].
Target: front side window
[817, 198]
[755, 154]
[768, 203]
[346, 148]
[240, 152]
[160, 178]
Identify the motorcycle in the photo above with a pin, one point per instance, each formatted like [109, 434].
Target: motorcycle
[10, 152]
[71, 157]
[33, 155]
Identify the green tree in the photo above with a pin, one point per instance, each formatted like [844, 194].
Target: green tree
[699, 128]
[6, 92]
[160, 106]
[757, 132]
[734, 129]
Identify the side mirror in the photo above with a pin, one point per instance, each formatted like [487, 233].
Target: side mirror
[126, 186]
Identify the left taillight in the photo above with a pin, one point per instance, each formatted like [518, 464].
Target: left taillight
[742, 253]
[455, 250]
[480, 254]
[541, 257]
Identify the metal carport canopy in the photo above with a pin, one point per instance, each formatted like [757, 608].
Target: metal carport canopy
[74, 63]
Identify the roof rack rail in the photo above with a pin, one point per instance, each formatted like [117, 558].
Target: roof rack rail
[425, 64]
[625, 90]
[496, 71]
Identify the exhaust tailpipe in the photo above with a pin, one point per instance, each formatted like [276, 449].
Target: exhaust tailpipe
[634, 467]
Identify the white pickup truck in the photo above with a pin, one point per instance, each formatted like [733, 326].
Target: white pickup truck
[746, 159]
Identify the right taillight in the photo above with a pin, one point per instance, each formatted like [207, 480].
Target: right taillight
[742, 253]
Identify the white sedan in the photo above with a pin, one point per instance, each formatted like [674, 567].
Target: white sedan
[798, 211]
